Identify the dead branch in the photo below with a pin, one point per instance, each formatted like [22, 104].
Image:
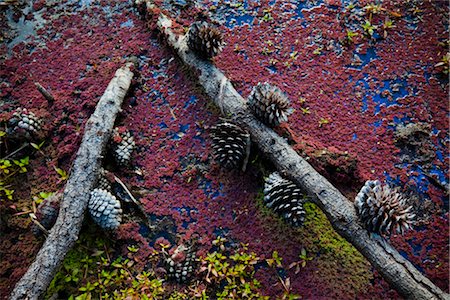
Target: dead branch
[395, 269]
[49, 97]
[76, 193]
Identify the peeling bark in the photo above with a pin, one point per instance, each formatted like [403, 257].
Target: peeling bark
[76, 193]
[395, 269]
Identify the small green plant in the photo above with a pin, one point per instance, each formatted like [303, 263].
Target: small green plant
[267, 15]
[42, 196]
[373, 9]
[350, 36]
[444, 63]
[22, 164]
[305, 111]
[38, 147]
[63, 176]
[323, 121]
[133, 248]
[275, 260]
[388, 24]
[318, 51]
[304, 258]
[9, 168]
[369, 28]
[232, 276]
[88, 272]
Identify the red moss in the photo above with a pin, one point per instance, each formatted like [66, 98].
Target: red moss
[170, 118]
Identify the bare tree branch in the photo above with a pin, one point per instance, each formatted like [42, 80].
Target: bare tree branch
[76, 194]
[49, 97]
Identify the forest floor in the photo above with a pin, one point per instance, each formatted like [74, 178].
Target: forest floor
[369, 85]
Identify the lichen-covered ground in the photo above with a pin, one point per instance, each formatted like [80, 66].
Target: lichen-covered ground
[354, 92]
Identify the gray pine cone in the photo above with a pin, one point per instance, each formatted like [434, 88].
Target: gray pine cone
[103, 182]
[105, 209]
[231, 145]
[285, 198]
[24, 123]
[180, 265]
[205, 40]
[383, 210]
[269, 104]
[122, 145]
[47, 213]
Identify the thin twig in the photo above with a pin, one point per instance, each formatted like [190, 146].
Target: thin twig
[136, 202]
[38, 224]
[17, 150]
[45, 93]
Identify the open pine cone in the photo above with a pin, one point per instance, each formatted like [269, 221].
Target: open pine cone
[269, 104]
[382, 209]
[231, 145]
[285, 198]
[205, 40]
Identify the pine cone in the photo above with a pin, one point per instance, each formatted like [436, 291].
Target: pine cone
[205, 40]
[105, 209]
[180, 264]
[122, 146]
[231, 145]
[285, 198]
[47, 213]
[382, 209]
[103, 183]
[24, 124]
[269, 104]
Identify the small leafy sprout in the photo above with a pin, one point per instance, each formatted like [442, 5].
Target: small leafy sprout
[323, 121]
[267, 15]
[42, 196]
[22, 163]
[388, 24]
[5, 166]
[369, 28]
[38, 147]
[220, 242]
[305, 111]
[444, 63]
[8, 168]
[4, 189]
[63, 176]
[133, 248]
[286, 283]
[275, 260]
[351, 35]
[302, 262]
[318, 51]
[373, 9]
[2, 133]
[350, 7]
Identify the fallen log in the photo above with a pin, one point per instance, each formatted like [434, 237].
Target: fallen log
[394, 268]
[76, 193]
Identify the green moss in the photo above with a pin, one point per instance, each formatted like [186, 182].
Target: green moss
[336, 255]
[336, 259]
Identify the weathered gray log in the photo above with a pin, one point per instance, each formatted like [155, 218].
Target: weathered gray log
[76, 193]
[395, 269]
